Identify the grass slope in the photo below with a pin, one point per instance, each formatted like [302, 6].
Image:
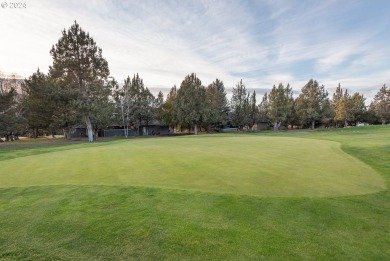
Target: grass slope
[252, 165]
[92, 222]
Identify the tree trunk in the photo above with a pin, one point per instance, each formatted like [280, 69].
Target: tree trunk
[35, 133]
[196, 129]
[126, 131]
[66, 133]
[95, 137]
[312, 125]
[89, 128]
[345, 123]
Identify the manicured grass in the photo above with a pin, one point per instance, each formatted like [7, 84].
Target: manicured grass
[121, 221]
[252, 165]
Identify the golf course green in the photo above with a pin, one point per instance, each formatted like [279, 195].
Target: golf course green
[252, 165]
[301, 195]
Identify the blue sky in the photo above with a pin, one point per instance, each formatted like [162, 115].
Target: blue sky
[262, 42]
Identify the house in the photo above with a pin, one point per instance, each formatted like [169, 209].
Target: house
[77, 132]
[144, 130]
[261, 126]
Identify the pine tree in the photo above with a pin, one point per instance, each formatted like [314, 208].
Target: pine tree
[382, 104]
[148, 109]
[371, 116]
[216, 104]
[78, 65]
[38, 102]
[264, 109]
[280, 105]
[340, 104]
[237, 104]
[158, 107]
[168, 114]
[254, 110]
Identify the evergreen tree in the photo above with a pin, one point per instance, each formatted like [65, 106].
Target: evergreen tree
[340, 104]
[382, 104]
[238, 105]
[280, 105]
[103, 108]
[216, 104]
[311, 104]
[158, 107]
[65, 114]
[189, 105]
[168, 114]
[141, 103]
[38, 102]
[327, 113]
[78, 65]
[357, 108]
[371, 116]
[148, 109]
[124, 100]
[264, 109]
[246, 113]
[253, 111]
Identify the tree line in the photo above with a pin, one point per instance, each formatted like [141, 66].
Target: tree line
[79, 91]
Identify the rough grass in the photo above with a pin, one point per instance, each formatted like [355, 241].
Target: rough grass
[100, 222]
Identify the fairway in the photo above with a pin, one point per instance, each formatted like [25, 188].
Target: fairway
[257, 165]
[287, 196]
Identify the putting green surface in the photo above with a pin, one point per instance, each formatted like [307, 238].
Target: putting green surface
[241, 164]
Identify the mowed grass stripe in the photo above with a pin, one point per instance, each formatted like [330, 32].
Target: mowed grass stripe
[251, 165]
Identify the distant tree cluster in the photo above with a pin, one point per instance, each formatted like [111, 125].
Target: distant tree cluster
[79, 91]
[136, 104]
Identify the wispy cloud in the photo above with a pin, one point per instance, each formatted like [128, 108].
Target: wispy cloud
[261, 42]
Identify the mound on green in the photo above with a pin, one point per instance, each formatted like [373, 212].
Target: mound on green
[251, 165]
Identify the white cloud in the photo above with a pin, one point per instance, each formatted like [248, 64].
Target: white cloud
[261, 42]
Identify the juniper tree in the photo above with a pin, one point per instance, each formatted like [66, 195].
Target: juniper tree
[189, 105]
[280, 105]
[357, 108]
[312, 103]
